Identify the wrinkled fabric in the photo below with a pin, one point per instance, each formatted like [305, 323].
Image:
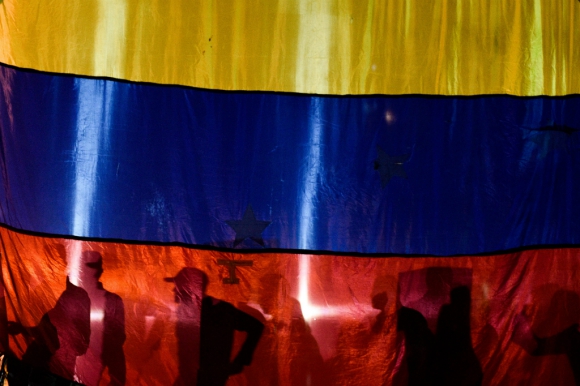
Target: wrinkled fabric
[344, 327]
[380, 193]
[469, 47]
[404, 175]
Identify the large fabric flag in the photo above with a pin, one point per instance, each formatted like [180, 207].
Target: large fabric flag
[290, 193]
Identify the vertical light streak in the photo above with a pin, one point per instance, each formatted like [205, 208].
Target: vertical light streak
[93, 120]
[303, 290]
[110, 38]
[312, 73]
[535, 61]
[314, 42]
[312, 175]
[307, 231]
[92, 132]
[74, 250]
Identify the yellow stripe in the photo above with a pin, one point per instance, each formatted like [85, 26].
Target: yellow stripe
[450, 47]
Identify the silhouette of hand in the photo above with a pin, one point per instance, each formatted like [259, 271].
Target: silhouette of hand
[15, 328]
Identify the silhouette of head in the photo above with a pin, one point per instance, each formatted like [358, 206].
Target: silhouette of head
[273, 292]
[382, 286]
[411, 321]
[190, 283]
[460, 296]
[379, 301]
[91, 267]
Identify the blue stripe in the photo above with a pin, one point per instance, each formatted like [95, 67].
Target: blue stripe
[406, 174]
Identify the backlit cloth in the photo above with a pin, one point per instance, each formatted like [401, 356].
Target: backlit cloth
[390, 188]
[470, 47]
[334, 329]
[405, 174]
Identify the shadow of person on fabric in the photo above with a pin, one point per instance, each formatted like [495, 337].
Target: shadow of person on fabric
[446, 356]
[379, 302]
[420, 350]
[364, 345]
[61, 336]
[288, 354]
[188, 291]
[205, 332]
[456, 361]
[564, 309]
[105, 350]
[438, 281]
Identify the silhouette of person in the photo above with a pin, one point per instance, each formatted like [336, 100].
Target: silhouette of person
[288, 353]
[456, 360]
[61, 336]
[437, 329]
[379, 302]
[188, 295]
[565, 305]
[107, 327]
[205, 331]
[438, 281]
[420, 347]
[366, 343]
[380, 299]
[42, 342]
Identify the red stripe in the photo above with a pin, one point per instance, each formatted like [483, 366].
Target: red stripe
[344, 335]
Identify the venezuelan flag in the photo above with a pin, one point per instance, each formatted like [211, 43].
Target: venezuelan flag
[389, 189]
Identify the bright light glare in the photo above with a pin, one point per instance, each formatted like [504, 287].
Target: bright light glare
[312, 311]
[97, 315]
[308, 310]
[389, 117]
